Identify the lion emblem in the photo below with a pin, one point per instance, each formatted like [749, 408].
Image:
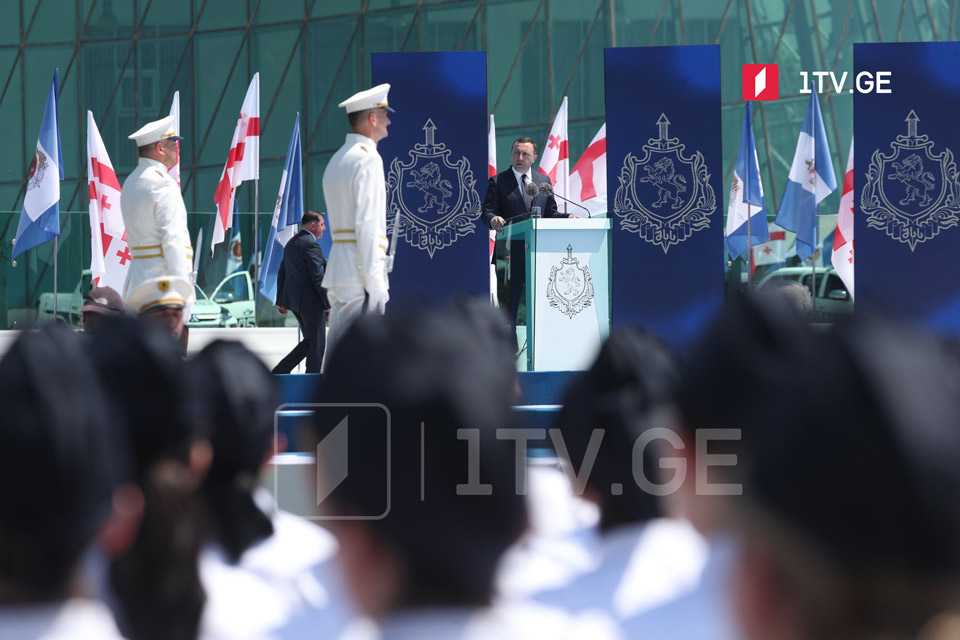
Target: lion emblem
[435, 189]
[914, 178]
[663, 176]
[570, 277]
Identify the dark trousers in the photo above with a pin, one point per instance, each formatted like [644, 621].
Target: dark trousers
[516, 283]
[312, 346]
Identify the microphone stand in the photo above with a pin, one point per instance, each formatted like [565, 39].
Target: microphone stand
[547, 189]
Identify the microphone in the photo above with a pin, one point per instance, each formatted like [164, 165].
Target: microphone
[532, 189]
[547, 189]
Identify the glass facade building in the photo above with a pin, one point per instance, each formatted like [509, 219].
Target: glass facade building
[123, 60]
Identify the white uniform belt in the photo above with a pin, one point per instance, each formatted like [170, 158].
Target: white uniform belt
[349, 236]
[153, 251]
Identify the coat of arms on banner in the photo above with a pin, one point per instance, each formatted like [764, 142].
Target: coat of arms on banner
[570, 288]
[911, 194]
[665, 196]
[37, 169]
[434, 200]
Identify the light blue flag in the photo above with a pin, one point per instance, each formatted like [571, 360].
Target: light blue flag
[811, 180]
[286, 216]
[746, 195]
[40, 217]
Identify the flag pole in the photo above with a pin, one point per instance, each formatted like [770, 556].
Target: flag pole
[256, 252]
[816, 246]
[56, 302]
[749, 247]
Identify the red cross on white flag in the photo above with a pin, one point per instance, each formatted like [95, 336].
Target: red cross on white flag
[588, 180]
[110, 256]
[555, 157]
[243, 161]
[842, 256]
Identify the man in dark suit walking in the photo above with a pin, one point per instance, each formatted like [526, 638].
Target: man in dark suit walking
[507, 198]
[299, 290]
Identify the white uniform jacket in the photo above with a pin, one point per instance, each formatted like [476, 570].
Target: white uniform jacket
[356, 196]
[156, 222]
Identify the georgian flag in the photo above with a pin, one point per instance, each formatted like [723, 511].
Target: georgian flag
[243, 161]
[588, 180]
[110, 258]
[842, 257]
[174, 171]
[40, 217]
[555, 159]
[492, 173]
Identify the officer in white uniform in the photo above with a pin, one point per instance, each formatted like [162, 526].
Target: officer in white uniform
[163, 301]
[355, 192]
[153, 211]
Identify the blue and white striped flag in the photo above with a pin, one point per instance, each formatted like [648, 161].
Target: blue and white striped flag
[286, 216]
[40, 218]
[811, 180]
[746, 195]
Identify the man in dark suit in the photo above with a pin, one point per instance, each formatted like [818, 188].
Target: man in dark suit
[299, 290]
[507, 198]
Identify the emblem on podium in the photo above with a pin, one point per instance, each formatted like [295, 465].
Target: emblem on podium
[911, 193]
[433, 199]
[665, 196]
[570, 288]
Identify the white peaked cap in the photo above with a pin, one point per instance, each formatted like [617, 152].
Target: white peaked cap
[374, 98]
[162, 129]
[165, 291]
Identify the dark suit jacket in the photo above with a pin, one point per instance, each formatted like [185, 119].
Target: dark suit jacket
[301, 272]
[505, 199]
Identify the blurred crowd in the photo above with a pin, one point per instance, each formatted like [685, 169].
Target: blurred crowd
[780, 482]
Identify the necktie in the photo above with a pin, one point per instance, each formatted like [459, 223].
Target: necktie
[523, 188]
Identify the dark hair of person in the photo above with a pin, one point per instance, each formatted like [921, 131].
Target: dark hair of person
[357, 117]
[629, 389]
[54, 414]
[234, 400]
[157, 580]
[524, 140]
[430, 365]
[310, 216]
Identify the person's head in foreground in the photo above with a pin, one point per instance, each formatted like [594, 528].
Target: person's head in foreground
[447, 380]
[57, 473]
[851, 513]
[627, 392]
[233, 400]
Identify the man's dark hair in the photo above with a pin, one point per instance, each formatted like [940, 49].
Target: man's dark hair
[524, 140]
[310, 216]
[357, 117]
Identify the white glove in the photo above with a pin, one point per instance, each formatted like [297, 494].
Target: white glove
[377, 301]
[388, 263]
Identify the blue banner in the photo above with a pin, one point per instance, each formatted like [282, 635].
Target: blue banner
[664, 173]
[435, 159]
[906, 185]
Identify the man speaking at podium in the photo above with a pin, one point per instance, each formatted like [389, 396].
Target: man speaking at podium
[514, 194]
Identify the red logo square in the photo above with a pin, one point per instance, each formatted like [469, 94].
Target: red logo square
[761, 82]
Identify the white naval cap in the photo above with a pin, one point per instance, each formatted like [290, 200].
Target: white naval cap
[162, 129]
[374, 98]
[161, 292]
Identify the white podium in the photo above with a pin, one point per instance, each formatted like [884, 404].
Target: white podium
[566, 265]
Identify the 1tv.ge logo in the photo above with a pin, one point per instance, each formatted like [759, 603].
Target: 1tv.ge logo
[762, 82]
